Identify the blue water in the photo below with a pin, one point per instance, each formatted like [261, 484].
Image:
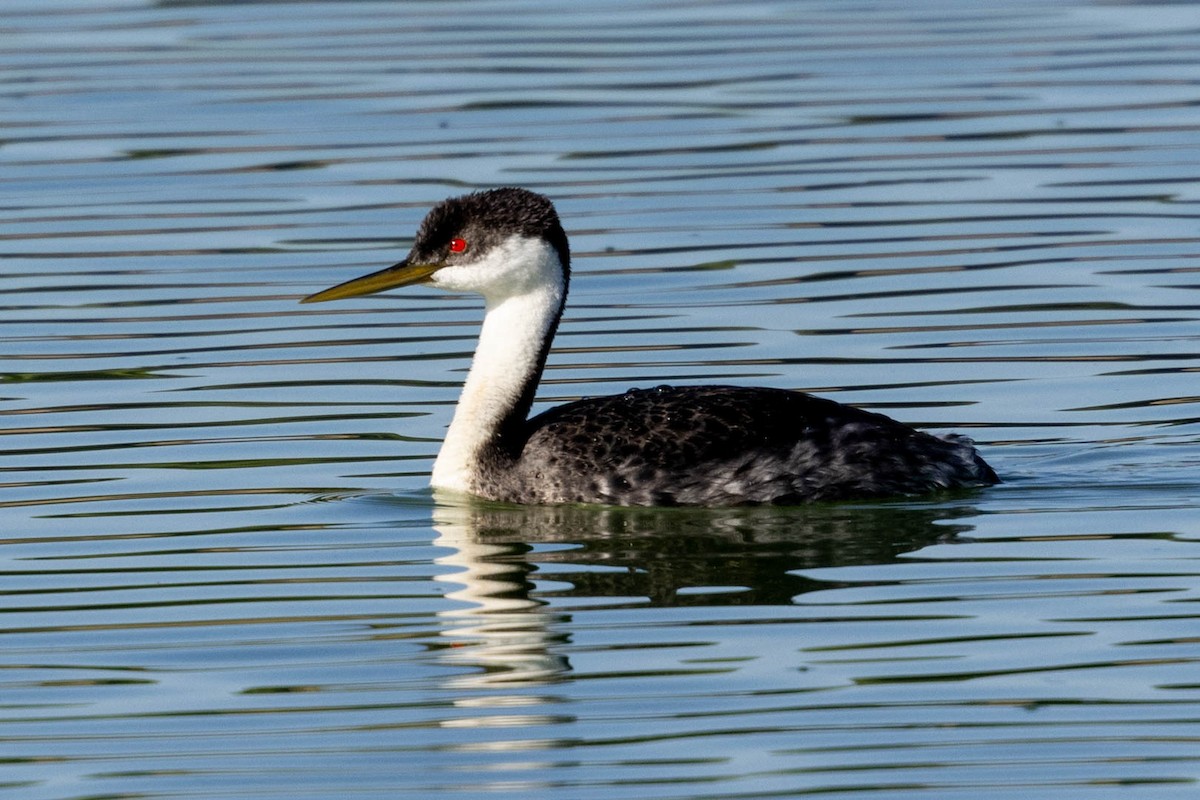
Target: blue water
[224, 576]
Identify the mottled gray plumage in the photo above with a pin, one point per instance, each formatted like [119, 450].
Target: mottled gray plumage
[721, 445]
[689, 445]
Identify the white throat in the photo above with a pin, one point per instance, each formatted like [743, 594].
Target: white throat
[522, 283]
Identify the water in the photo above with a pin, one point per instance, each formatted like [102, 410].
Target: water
[224, 576]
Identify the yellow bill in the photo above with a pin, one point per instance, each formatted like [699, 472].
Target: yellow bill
[402, 274]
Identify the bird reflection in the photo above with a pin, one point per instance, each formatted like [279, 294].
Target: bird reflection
[501, 630]
[634, 557]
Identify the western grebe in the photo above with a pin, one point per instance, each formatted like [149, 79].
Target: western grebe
[682, 445]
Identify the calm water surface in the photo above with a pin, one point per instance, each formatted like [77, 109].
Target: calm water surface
[224, 576]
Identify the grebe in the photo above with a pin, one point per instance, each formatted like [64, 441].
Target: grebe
[681, 445]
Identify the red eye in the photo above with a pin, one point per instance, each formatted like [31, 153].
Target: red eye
[458, 245]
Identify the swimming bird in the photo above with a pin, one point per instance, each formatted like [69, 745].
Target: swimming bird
[669, 445]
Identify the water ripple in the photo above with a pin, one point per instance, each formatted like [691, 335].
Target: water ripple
[225, 576]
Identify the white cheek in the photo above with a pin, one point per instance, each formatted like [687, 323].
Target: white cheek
[513, 267]
[456, 279]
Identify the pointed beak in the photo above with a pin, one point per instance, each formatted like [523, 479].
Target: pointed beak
[402, 274]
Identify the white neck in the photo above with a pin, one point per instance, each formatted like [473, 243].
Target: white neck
[520, 313]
